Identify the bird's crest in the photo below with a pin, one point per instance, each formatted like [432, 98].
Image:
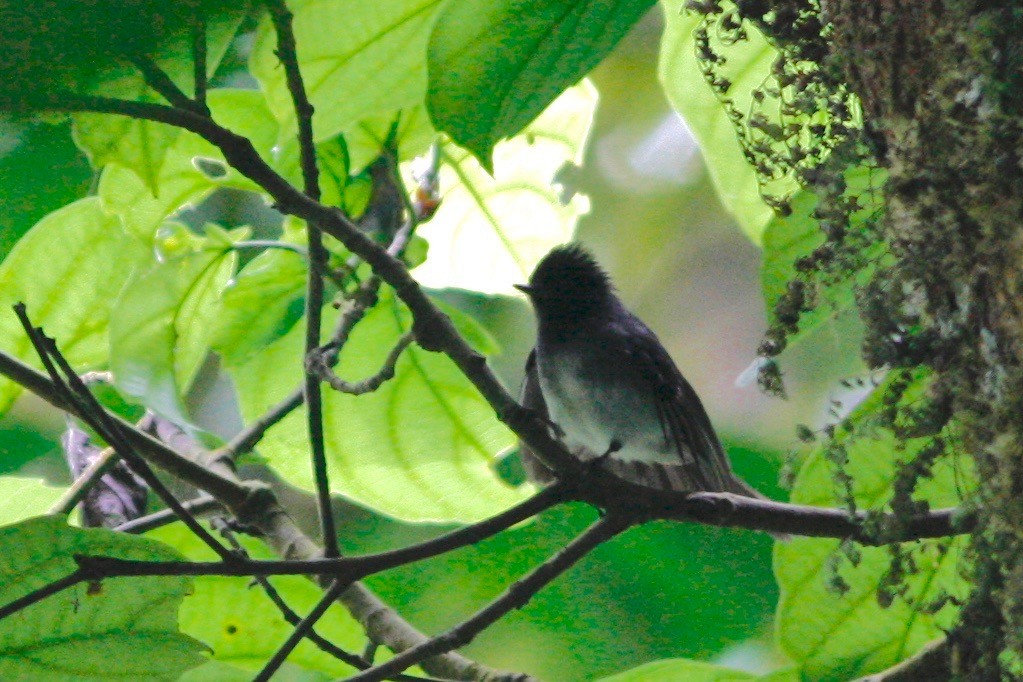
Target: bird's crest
[570, 271]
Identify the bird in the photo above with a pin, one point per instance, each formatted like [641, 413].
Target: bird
[610, 390]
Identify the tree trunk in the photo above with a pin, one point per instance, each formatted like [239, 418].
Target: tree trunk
[941, 84]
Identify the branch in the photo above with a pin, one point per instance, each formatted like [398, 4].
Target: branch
[247, 438]
[363, 299]
[289, 614]
[253, 505]
[103, 463]
[144, 524]
[434, 330]
[288, 56]
[42, 593]
[301, 630]
[718, 509]
[737, 511]
[516, 596]
[317, 365]
[349, 568]
[159, 81]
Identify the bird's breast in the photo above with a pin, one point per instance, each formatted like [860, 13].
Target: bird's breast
[595, 399]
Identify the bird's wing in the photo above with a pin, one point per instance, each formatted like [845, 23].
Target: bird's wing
[531, 397]
[684, 421]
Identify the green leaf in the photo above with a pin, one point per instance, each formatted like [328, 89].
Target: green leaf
[140, 145]
[161, 326]
[53, 46]
[242, 626]
[193, 168]
[124, 628]
[67, 270]
[414, 135]
[261, 304]
[511, 220]
[494, 65]
[680, 669]
[358, 59]
[42, 171]
[749, 64]
[843, 634]
[418, 449]
[21, 498]
[129, 142]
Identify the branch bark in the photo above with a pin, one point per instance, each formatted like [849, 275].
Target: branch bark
[254, 505]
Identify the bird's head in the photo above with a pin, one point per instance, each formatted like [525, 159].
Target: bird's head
[568, 286]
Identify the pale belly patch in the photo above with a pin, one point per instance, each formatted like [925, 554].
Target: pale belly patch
[594, 414]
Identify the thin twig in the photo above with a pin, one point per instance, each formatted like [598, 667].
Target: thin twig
[42, 593]
[516, 596]
[349, 568]
[103, 463]
[300, 631]
[289, 614]
[316, 366]
[288, 56]
[247, 438]
[144, 524]
[159, 81]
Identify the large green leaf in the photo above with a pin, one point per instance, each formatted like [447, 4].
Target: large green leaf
[419, 449]
[496, 64]
[240, 624]
[123, 628]
[359, 60]
[749, 64]
[838, 634]
[21, 498]
[67, 270]
[508, 221]
[160, 327]
[192, 169]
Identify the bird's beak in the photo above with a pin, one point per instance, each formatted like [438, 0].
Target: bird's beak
[524, 288]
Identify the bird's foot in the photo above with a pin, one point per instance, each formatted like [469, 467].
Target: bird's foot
[612, 448]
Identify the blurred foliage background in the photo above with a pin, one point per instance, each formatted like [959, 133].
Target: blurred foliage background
[682, 265]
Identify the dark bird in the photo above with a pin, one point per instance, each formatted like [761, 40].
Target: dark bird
[611, 390]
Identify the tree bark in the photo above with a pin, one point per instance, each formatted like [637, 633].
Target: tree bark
[941, 84]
